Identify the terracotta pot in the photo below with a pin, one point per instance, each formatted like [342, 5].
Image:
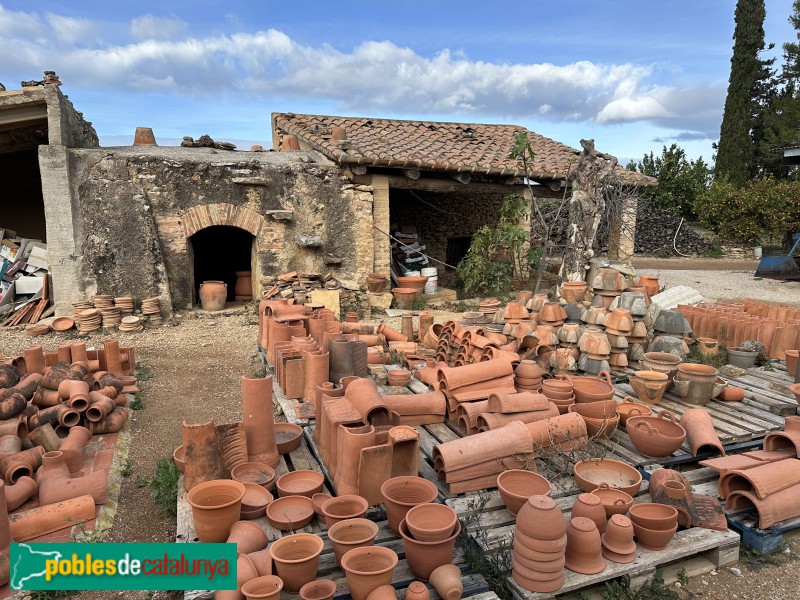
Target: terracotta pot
[517, 485]
[259, 420]
[304, 482]
[213, 295]
[18, 494]
[649, 385]
[700, 432]
[630, 408]
[661, 362]
[731, 393]
[296, 559]
[143, 136]
[584, 552]
[618, 544]
[615, 502]
[351, 533]
[215, 506]
[591, 389]
[696, 372]
[605, 409]
[257, 473]
[658, 517]
[383, 592]
[424, 557]
[56, 484]
[653, 539]
[367, 568]
[244, 285]
[675, 490]
[321, 589]
[744, 359]
[416, 590]
[791, 357]
[342, 508]
[290, 513]
[203, 461]
[40, 521]
[573, 291]
[541, 519]
[255, 497]
[401, 494]
[268, 587]
[656, 436]
[262, 561]
[404, 297]
[319, 500]
[446, 580]
[591, 507]
[431, 522]
[416, 283]
[592, 472]
[248, 537]
[650, 283]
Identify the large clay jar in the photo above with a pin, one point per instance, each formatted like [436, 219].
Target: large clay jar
[349, 534]
[584, 548]
[446, 580]
[431, 522]
[401, 494]
[321, 589]
[517, 485]
[215, 508]
[202, 459]
[296, 559]
[424, 557]
[368, 568]
[591, 507]
[700, 432]
[244, 285]
[213, 295]
[259, 420]
[263, 588]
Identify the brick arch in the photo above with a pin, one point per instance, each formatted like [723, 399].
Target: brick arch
[222, 213]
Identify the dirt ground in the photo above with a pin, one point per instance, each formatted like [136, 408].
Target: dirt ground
[196, 366]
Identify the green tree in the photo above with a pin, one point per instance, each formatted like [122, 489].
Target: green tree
[747, 88]
[680, 181]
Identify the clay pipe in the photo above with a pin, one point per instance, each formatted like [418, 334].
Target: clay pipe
[72, 448]
[26, 387]
[19, 493]
[111, 424]
[16, 425]
[56, 485]
[45, 436]
[12, 405]
[61, 414]
[47, 519]
[45, 398]
[9, 376]
[20, 464]
[9, 444]
[101, 406]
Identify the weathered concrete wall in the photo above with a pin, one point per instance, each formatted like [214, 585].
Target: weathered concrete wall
[135, 209]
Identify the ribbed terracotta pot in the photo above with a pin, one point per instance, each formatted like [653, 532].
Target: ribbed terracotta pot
[400, 494]
[431, 522]
[342, 508]
[321, 589]
[351, 533]
[424, 557]
[215, 506]
[296, 559]
[248, 537]
[446, 580]
[263, 588]
[367, 568]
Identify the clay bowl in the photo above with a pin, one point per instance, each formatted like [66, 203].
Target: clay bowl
[431, 522]
[517, 485]
[592, 389]
[62, 324]
[630, 408]
[287, 437]
[319, 500]
[416, 283]
[592, 472]
[290, 512]
[658, 517]
[251, 515]
[304, 482]
[604, 409]
[253, 472]
[615, 501]
[179, 456]
[696, 372]
[256, 498]
[656, 436]
[399, 377]
[653, 539]
[344, 507]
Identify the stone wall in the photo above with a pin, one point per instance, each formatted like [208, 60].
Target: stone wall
[134, 209]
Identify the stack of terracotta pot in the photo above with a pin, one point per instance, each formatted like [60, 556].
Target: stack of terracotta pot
[670, 334]
[775, 326]
[377, 282]
[594, 402]
[540, 541]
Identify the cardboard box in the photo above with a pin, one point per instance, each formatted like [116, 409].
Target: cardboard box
[28, 285]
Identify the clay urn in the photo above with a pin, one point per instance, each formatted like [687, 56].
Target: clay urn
[446, 580]
[656, 436]
[591, 507]
[649, 385]
[248, 537]
[216, 505]
[321, 589]
[517, 485]
[424, 557]
[342, 508]
[367, 568]
[295, 559]
[213, 295]
[351, 533]
[431, 522]
[615, 502]
[618, 544]
[584, 552]
[417, 590]
[540, 518]
[267, 587]
[401, 494]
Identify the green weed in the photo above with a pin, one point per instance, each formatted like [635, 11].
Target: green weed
[164, 486]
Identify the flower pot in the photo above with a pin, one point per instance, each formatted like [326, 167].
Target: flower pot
[248, 537]
[143, 136]
[290, 512]
[696, 372]
[213, 295]
[417, 283]
[618, 544]
[517, 485]
[342, 508]
[424, 557]
[541, 519]
[383, 592]
[650, 283]
[304, 482]
[263, 588]
[744, 359]
[262, 561]
[431, 522]
[404, 297]
[653, 539]
[791, 357]
[656, 436]
[591, 507]
[584, 552]
[416, 590]
[573, 291]
[661, 362]
[215, 506]
[367, 568]
[296, 559]
[700, 432]
[654, 516]
[401, 494]
[615, 502]
[446, 580]
[349, 534]
[321, 589]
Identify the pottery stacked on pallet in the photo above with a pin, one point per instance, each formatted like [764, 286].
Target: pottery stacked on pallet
[540, 542]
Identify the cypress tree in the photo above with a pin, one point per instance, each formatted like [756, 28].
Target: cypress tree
[736, 149]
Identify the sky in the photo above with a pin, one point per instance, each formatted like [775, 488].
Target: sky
[632, 75]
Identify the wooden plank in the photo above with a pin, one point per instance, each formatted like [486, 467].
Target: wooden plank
[287, 406]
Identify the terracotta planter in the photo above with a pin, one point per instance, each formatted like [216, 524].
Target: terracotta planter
[215, 508]
[404, 297]
[650, 283]
[744, 359]
[517, 485]
[656, 436]
[248, 537]
[424, 557]
[263, 588]
[541, 519]
[653, 539]
[696, 372]
[431, 522]
[290, 513]
[791, 357]
[367, 568]
[304, 482]
[203, 461]
[615, 502]
[584, 548]
[649, 385]
[296, 559]
[351, 533]
[321, 589]
[401, 494]
[213, 295]
[343, 508]
[654, 516]
[573, 291]
[446, 580]
[589, 474]
[661, 362]
[257, 473]
[262, 561]
[591, 507]
[700, 433]
[605, 409]
[259, 420]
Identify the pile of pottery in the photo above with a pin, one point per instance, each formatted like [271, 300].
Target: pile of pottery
[151, 311]
[777, 327]
[88, 320]
[107, 311]
[474, 382]
[296, 286]
[458, 345]
[131, 324]
[671, 330]
[540, 542]
[594, 402]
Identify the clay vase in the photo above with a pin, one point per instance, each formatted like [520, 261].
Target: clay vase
[349, 534]
[416, 590]
[446, 580]
[244, 285]
[259, 420]
[424, 557]
[202, 459]
[248, 537]
[342, 508]
[367, 568]
[401, 494]
[321, 589]
[213, 295]
[215, 506]
[268, 587]
[700, 432]
[431, 522]
[295, 559]
[584, 547]
[591, 507]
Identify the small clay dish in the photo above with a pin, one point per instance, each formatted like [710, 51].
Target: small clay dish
[252, 515]
[431, 522]
[253, 472]
[255, 497]
[517, 485]
[62, 324]
[179, 456]
[300, 483]
[319, 500]
[287, 437]
[291, 512]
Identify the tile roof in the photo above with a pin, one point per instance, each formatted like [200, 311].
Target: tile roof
[434, 146]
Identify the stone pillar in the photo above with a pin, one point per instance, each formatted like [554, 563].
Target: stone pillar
[380, 218]
[623, 229]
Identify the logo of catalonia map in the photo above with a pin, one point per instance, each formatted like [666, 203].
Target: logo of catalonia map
[29, 564]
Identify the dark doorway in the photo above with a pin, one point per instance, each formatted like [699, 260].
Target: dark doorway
[218, 252]
[21, 201]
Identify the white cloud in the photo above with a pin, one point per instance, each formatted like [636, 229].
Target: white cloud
[150, 27]
[73, 31]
